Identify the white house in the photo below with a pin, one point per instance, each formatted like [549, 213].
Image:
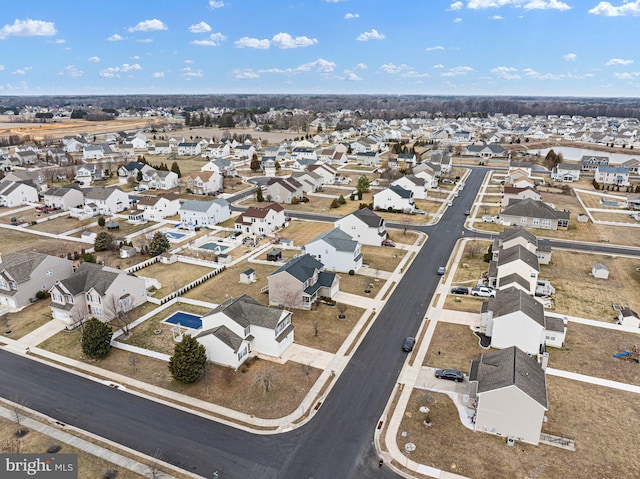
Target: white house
[283, 190]
[336, 250]
[203, 182]
[189, 149]
[394, 198]
[17, 193]
[515, 266]
[510, 193]
[86, 174]
[159, 180]
[258, 221]
[221, 167]
[244, 151]
[194, 213]
[413, 183]
[109, 201]
[364, 226]
[566, 172]
[23, 275]
[612, 175]
[96, 291]
[511, 392]
[159, 207]
[242, 327]
[309, 180]
[64, 197]
[427, 173]
[129, 172]
[327, 173]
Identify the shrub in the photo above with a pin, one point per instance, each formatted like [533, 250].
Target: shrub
[42, 294]
[189, 360]
[96, 338]
[351, 272]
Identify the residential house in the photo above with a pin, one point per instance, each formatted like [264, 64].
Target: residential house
[159, 180]
[64, 197]
[394, 198]
[300, 282]
[203, 182]
[87, 174]
[364, 145]
[367, 158]
[522, 166]
[27, 157]
[268, 165]
[413, 183]
[300, 153]
[17, 193]
[566, 172]
[36, 177]
[283, 190]
[428, 174]
[633, 165]
[161, 148]
[73, 144]
[442, 159]
[364, 226]
[591, 163]
[241, 327]
[327, 173]
[309, 180]
[534, 214]
[336, 250]
[511, 393]
[515, 266]
[244, 151]
[221, 167]
[407, 160]
[129, 172]
[189, 149]
[108, 201]
[612, 175]
[513, 193]
[261, 221]
[485, 151]
[23, 275]
[218, 150]
[194, 213]
[517, 235]
[96, 291]
[92, 152]
[159, 207]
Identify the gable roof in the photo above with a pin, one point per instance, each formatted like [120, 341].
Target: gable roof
[510, 367]
[19, 266]
[302, 268]
[533, 209]
[246, 311]
[337, 238]
[368, 217]
[518, 252]
[257, 212]
[511, 300]
[91, 275]
[516, 232]
[202, 206]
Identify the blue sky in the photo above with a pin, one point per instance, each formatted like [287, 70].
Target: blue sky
[470, 47]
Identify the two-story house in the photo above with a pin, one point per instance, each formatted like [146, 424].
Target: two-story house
[109, 201]
[283, 190]
[364, 226]
[203, 182]
[189, 149]
[194, 213]
[336, 250]
[159, 207]
[258, 221]
[64, 197]
[17, 193]
[394, 198]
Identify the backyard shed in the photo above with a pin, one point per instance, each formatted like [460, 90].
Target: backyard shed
[274, 255]
[600, 271]
[248, 276]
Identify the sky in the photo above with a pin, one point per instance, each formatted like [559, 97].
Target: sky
[429, 47]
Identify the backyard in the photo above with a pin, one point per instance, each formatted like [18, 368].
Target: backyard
[172, 276]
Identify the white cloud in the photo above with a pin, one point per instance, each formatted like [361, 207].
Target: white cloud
[21, 71]
[246, 42]
[526, 4]
[246, 74]
[569, 57]
[28, 28]
[626, 75]
[1, 67]
[59, 41]
[71, 71]
[497, 17]
[93, 59]
[189, 62]
[188, 73]
[114, 72]
[349, 16]
[349, 76]
[334, 1]
[457, 20]
[115, 38]
[438, 66]
[361, 66]
[152, 25]
[285, 41]
[145, 40]
[403, 70]
[506, 73]
[531, 73]
[618, 61]
[215, 39]
[608, 10]
[216, 4]
[320, 66]
[456, 6]
[372, 35]
[437, 47]
[202, 27]
[157, 75]
[457, 71]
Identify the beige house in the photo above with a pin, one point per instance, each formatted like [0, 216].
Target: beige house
[534, 214]
[511, 392]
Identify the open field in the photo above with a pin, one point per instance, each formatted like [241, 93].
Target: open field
[26, 320]
[63, 224]
[593, 200]
[124, 228]
[172, 276]
[453, 346]
[236, 390]
[589, 350]
[358, 283]
[15, 241]
[580, 294]
[602, 421]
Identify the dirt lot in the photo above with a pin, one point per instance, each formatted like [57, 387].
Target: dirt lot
[580, 294]
[602, 421]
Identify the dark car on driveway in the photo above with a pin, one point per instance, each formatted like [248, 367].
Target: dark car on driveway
[407, 345]
[459, 290]
[450, 374]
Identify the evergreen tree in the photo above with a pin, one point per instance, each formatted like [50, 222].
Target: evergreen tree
[259, 196]
[341, 200]
[96, 338]
[176, 169]
[363, 185]
[139, 176]
[103, 242]
[101, 221]
[159, 244]
[189, 360]
[255, 163]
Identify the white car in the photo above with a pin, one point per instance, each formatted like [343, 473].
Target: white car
[483, 292]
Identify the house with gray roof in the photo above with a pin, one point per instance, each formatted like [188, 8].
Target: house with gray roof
[96, 291]
[485, 151]
[64, 197]
[417, 184]
[197, 214]
[533, 214]
[515, 266]
[394, 198]
[510, 390]
[336, 250]
[22, 275]
[241, 327]
[17, 193]
[300, 282]
[364, 226]
[518, 235]
[591, 163]
[566, 172]
[283, 190]
[108, 201]
[612, 175]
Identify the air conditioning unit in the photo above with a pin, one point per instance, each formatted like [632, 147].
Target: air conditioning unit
[511, 441]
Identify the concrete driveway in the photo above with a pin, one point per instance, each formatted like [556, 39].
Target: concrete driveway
[427, 380]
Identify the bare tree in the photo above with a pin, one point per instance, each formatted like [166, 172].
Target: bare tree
[79, 316]
[473, 248]
[154, 466]
[17, 406]
[266, 379]
[121, 313]
[316, 328]
[227, 375]
[342, 308]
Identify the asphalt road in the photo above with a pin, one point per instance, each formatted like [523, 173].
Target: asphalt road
[336, 443]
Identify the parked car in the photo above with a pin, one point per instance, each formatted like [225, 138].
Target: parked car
[388, 243]
[467, 212]
[450, 374]
[455, 194]
[459, 290]
[418, 212]
[450, 203]
[442, 270]
[483, 291]
[408, 343]
[488, 219]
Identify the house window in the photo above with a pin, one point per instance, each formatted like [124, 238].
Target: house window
[523, 220]
[14, 285]
[536, 221]
[546, 222]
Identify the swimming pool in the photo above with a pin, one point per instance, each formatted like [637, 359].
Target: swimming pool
[217, 247]
[172, 235]
[185, 319]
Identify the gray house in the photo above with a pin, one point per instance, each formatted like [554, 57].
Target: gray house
[511, 392]
[22, 275]
[534, 214]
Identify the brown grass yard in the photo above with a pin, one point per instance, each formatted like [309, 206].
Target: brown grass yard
[580, 294]
[25, 216]
[28, 319]
[453, 346]
[593, 200]
[468, 304]
[89, 466]
[382, 257]
[63, 224]
[358, 283]
[187, 164]
[617, 216]
[301, 231]
[172, 276]
[287, 254]
[402, 236]
[331, 331]
[292, 380]
[14, 241]
[472, 256]
[589, 350]
[602, 421]
[124, 228]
